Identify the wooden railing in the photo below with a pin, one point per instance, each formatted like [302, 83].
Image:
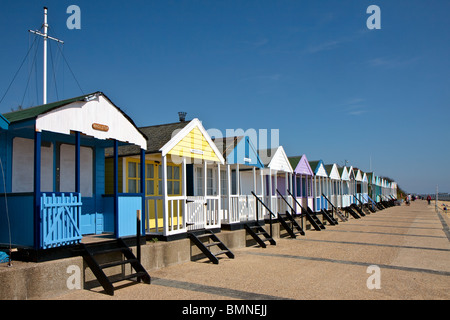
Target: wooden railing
[61, 213]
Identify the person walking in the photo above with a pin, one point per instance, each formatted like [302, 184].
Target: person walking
[429, 199]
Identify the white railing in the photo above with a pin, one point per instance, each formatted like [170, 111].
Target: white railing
[176, 215]
[202, 212]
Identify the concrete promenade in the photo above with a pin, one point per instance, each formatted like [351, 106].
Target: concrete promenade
[409, 245]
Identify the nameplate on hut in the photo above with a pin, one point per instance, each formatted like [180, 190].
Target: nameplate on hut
[100, 127]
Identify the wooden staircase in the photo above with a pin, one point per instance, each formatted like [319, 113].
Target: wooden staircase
[358, 209]
[290, 225]
[329, 217]
[312, 218]
[256, 231]
[208, 240]
[352, 212]
[341, 215]
[91, 252]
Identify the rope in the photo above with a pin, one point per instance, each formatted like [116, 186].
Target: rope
[29, 76]
[17, 72]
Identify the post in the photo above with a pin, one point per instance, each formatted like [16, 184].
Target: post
[46, 37]
[37, 189]
[230, 218]
[77, 162]
[138, 235]
[183, 192]
[143, 191]
[164, 194]
[238, 186]
[116, 187]
[44, 94]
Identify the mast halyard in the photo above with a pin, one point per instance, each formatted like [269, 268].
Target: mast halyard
[45, 36]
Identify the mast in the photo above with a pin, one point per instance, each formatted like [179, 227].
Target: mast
[45, 36]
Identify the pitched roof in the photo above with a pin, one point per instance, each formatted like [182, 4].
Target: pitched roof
[34, 112]
[226, 145]
[300, 165]
[294, 161]
[313, 164]
[157, 137]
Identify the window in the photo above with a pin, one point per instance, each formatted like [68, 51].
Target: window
[223, 182]
[199, 181]
[173, 180]
[209, 182]
[133, 176]
[153, 178]
[304, 186]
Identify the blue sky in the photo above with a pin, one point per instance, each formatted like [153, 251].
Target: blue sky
[334, 89]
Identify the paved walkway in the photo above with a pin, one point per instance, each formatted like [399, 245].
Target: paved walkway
[409, 245]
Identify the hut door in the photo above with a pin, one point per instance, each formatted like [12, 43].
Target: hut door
[66, 184]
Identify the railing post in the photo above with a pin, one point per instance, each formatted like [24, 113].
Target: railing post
[138, 235]
[37, 190]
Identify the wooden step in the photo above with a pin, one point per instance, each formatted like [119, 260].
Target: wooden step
[90, 253]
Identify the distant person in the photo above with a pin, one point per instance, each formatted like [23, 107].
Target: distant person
[429, 199]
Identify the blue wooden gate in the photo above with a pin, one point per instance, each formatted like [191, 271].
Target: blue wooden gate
[60, 214]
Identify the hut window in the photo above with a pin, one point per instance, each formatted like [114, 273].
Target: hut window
[210, 182]
[67, 172]
[199, 181]
[133, 174]
[23, 169]
[173, 180]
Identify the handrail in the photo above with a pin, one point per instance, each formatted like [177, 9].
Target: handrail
[293, 210]
[357, 199]
[303, 209]
[270, 211]
[373, 202]
[329, 201]
[257, 198]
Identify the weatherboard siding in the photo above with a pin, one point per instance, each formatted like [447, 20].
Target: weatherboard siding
[194, 145]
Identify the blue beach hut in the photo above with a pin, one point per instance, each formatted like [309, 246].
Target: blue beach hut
[239, 178]
[54, 175]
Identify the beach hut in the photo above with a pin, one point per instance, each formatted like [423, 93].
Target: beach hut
[364, 188]
[55, 171]
[352, 184]
[277, 176]
[334, 185]
[358, 184]
[303, 182]
[321, 185]
[182, 175]
[241, 175]
[345, 187]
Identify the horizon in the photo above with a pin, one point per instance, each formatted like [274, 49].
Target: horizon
[337, 91]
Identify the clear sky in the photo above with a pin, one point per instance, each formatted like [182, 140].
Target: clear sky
[334, 89]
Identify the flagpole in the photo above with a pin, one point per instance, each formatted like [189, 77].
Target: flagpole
[45, 36]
